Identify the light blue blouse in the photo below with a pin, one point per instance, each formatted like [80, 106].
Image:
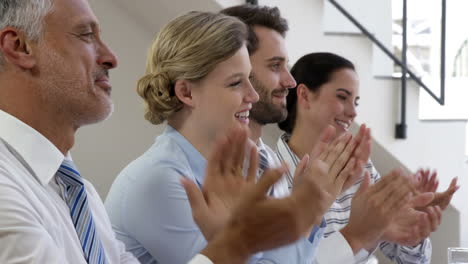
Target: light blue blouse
[150, 212]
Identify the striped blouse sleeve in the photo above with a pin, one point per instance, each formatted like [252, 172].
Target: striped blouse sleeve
[419, 254]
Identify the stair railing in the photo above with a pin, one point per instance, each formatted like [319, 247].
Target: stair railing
[401, 128]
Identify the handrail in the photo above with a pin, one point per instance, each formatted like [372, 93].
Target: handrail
[413, 76]
[252, 2]
[401, 128]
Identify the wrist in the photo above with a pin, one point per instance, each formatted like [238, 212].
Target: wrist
[354, 241]
[227, 248]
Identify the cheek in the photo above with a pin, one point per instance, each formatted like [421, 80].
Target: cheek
[330, 111]
[336, 107]
[225, 104]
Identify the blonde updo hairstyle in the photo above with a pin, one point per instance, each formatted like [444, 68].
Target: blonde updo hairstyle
[188, 48]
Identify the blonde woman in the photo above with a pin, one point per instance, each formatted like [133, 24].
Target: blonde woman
[197, 81]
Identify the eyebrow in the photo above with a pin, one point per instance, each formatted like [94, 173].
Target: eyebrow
[276, 58]
[234, 75]
[343, 90]
[86, 25]
[347, 92]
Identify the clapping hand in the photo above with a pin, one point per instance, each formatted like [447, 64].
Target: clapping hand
[224, 182]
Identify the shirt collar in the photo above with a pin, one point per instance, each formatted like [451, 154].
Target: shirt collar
[285, 154]
[260, 143]
[195, 159]
[37, 151]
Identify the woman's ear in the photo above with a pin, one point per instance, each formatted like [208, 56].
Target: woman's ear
[183, 91]
[16, 48]
[304, 96]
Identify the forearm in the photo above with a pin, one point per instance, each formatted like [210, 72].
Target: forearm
[300, 252]
[230, 247]
[303, 251]
[357, 241]
[227, 248]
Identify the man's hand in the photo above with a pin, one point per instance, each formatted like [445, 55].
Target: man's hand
[224, 182]
[374, 208]
[258, 222]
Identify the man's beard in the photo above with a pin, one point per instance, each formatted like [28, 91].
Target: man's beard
[264, 111]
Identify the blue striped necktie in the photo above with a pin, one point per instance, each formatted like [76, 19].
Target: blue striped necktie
[263, 165]
[77, 200]
[263, 160]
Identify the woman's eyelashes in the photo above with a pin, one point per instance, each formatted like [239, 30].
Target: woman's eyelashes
[235, 83]
[356, 101]
[344, 97]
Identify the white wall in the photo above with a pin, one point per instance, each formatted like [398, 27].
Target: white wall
[102, 150]
[375, 16]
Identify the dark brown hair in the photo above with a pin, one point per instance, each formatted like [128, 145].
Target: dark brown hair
[254, 15]
[313, 70]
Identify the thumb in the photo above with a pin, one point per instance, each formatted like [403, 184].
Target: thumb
[422, 200]
[195, 196]
[364, 184]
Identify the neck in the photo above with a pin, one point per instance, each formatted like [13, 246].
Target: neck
[255, 130]
[303, 139]
[24, 101]
[190, 129]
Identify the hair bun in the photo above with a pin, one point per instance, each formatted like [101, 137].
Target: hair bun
[158, 93]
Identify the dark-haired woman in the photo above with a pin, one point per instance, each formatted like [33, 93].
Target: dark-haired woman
[328, 94]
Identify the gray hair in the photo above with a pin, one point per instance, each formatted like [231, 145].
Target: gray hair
[25, 15]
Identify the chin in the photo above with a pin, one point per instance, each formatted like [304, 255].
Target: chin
[107, 111]
[98, 114]
[339, 130]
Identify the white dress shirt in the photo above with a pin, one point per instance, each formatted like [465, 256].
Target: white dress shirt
[35, 222]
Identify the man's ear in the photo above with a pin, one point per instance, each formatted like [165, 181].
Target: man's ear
[304, 96]
[16, 48]
[183, 91]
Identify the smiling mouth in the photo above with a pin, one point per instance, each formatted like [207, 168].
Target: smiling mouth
[344, 125]
[243, 116]
[281, 93]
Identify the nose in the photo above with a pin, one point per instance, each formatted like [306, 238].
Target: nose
[287, 80]
[107, 58]
[351, 111]
[252, 95]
